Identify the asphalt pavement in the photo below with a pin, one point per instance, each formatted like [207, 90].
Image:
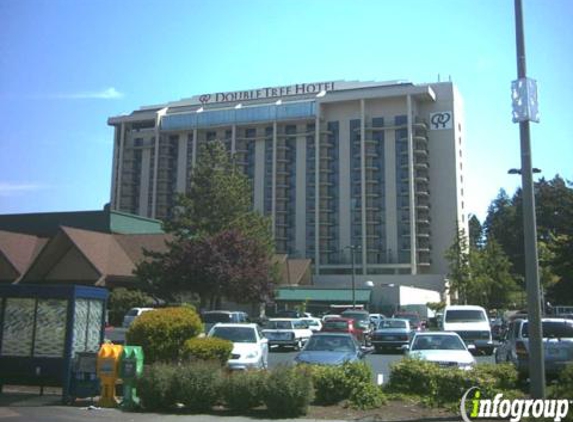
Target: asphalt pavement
[380, 363]
[31, 407]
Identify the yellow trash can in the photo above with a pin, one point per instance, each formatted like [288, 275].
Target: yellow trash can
[108, 372]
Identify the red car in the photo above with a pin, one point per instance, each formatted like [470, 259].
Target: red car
[343, 325]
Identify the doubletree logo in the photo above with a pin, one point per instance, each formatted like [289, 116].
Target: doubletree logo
[514, 409]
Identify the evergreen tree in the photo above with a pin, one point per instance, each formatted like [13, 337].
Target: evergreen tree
[458, 259]
[220, 246]
[475, 233]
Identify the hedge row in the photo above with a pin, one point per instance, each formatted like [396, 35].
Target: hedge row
[442, 386]
[285, 391]
[351, 381]
[198, 386]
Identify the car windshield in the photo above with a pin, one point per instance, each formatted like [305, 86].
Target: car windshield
[552, 329]
[389, 323]
[132, 312]
[336, 325]
[465, 315]
[235, 334]
[212, 318]
[311, 322]
[330, 344]
[437, 342]
[279, 325]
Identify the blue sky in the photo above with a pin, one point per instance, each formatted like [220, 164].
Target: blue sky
[68, 65]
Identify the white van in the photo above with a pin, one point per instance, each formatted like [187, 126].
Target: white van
[472, 325]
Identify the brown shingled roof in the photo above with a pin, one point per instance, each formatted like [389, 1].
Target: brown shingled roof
[133, 244]
[102, 250]
[20, 249]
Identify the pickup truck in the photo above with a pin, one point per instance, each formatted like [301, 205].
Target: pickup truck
[287, 332]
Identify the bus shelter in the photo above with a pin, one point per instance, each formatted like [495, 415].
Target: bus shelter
[43, 328]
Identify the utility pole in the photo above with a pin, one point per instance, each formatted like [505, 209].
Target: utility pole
[524, 94]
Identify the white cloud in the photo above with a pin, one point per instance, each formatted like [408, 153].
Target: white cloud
[105, 94]
[10, 189]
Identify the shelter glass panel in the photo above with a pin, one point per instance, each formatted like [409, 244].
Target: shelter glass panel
[18, 327]
[51, 319]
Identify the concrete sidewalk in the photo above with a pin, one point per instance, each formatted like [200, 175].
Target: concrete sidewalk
[18, 407]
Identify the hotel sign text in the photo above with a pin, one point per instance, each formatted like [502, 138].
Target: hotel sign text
[262, 93]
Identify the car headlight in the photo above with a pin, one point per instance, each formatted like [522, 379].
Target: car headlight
[465, 366]
[252, 355]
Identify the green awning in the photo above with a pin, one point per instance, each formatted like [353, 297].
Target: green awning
[289, 294]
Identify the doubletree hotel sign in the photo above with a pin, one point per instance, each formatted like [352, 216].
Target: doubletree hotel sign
[266, 93]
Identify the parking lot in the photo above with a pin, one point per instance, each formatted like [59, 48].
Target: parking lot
[380, 363]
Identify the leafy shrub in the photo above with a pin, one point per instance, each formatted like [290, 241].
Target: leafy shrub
[198, 385]
[208, 348]
[244, 390]
[366, 395]
[162, 332]
[438, 386]
[502, 376]
[155, 387]
[288, 391]
[122, 300]
[563, 388]
[412, 376]
[335, 383]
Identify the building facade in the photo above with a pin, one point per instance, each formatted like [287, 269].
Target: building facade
[360, 177]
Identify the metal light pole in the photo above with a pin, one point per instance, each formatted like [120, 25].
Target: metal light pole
[524, 93]
[352, 249]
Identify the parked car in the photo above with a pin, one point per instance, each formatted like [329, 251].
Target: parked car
[290, 313]
[287, 332]
[342, 325]
[472, 324]
[413, 318]
[361, 323]
[250, 347]
[314, 324]
[447, 349]
[331, 349]
[329, 316]
[376, 318]
[391, 333]
[210, 318]
[498, 327]
[132, 314]
[557, 345]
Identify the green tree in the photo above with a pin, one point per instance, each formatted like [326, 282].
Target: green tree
[554, 211]
[492, 282]
[122, 300]
[458, 259]
[475, 233]
[220, 247]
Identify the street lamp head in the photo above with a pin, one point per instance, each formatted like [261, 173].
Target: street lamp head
[534, 170]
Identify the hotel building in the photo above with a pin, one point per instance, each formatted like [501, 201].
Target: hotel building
[357, 176]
